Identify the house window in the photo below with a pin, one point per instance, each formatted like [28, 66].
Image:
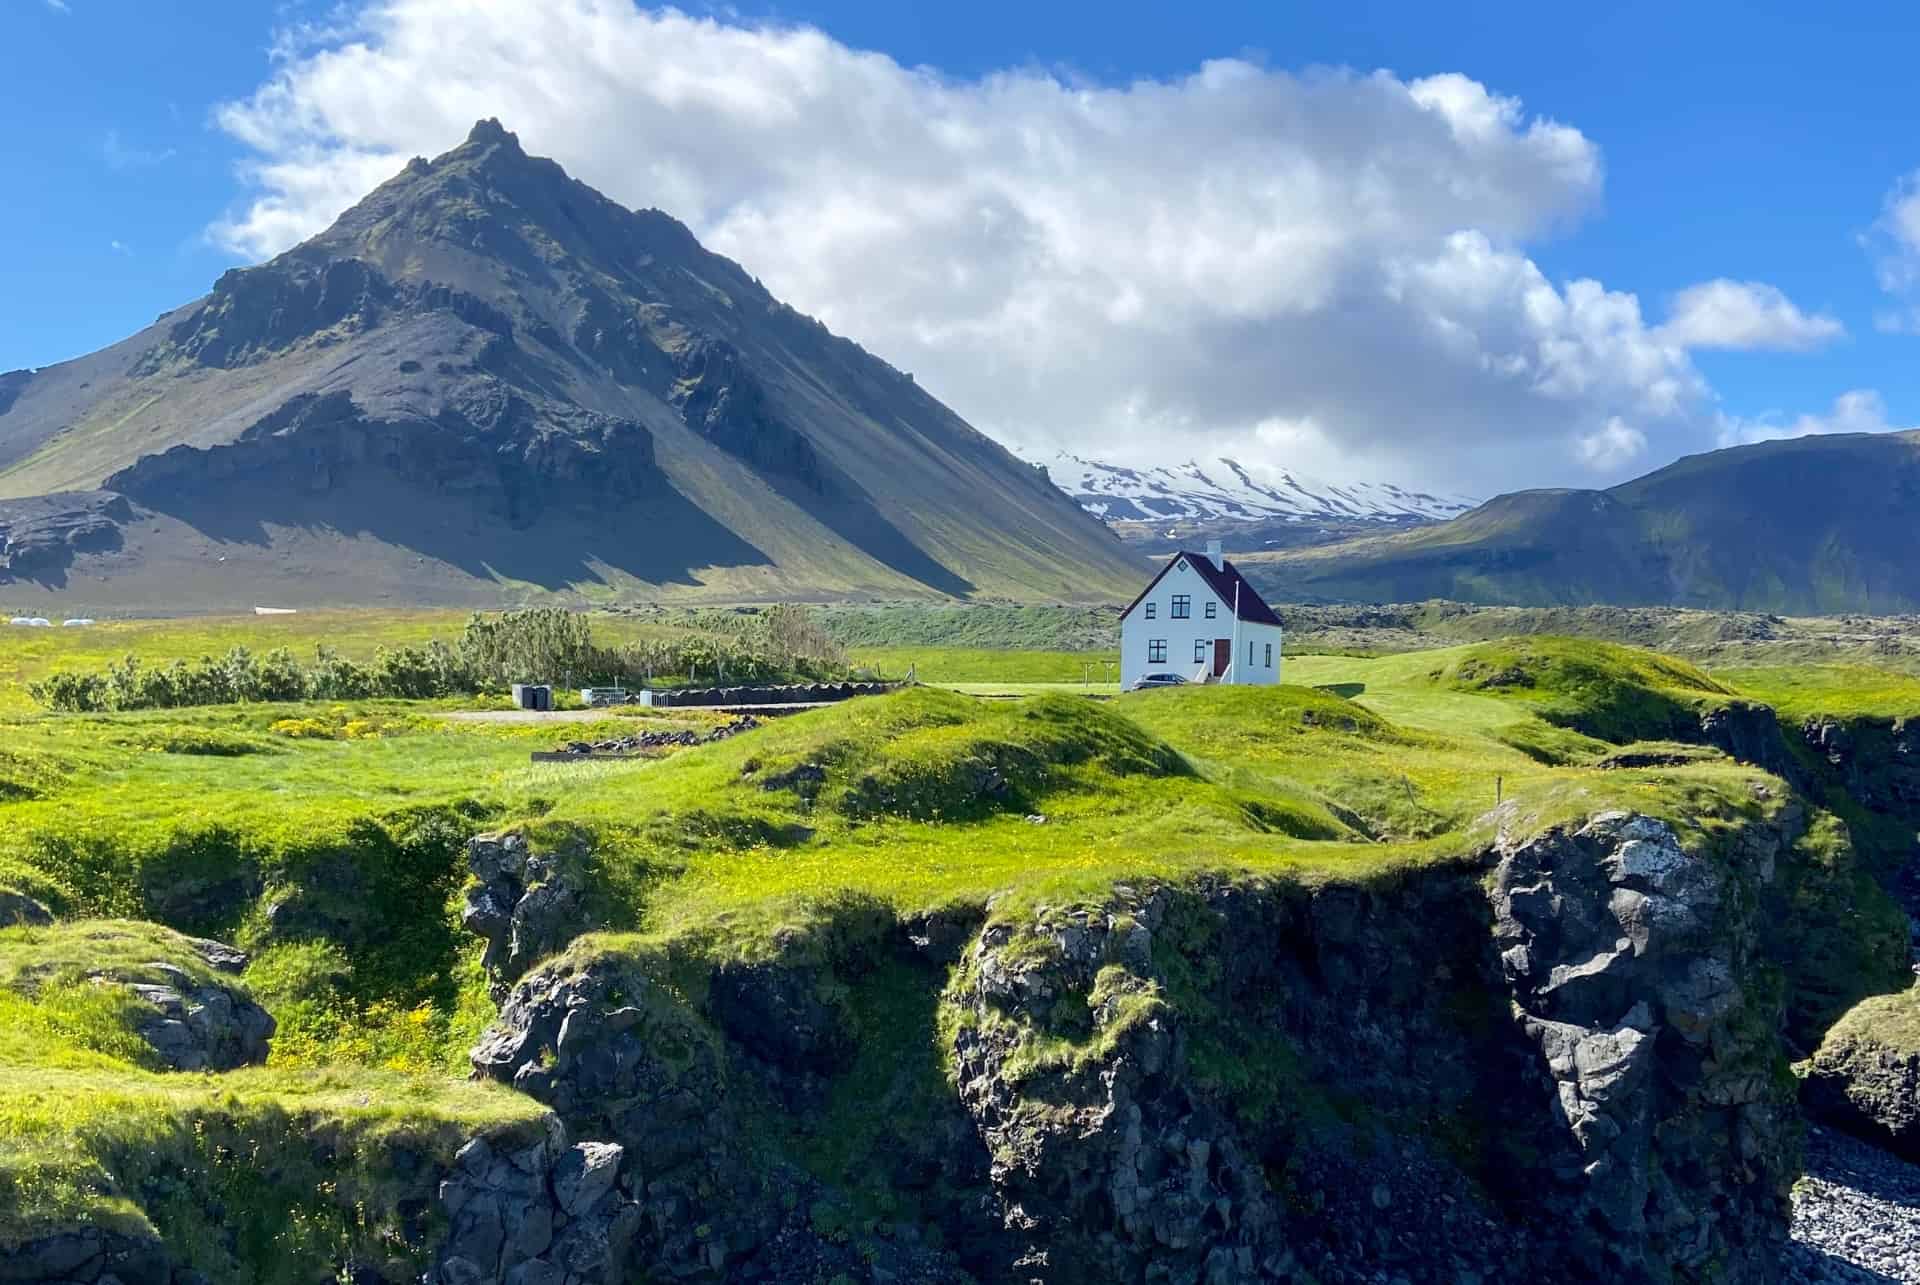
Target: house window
[1199, 651]
[1269, 655]
[1213, 609]
[1182, 606]
[1249, 653]
[1156, 651]
[1150, 611]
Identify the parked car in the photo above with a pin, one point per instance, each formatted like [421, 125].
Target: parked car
[1158, 680]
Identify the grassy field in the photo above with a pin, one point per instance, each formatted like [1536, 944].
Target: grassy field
[328, 839]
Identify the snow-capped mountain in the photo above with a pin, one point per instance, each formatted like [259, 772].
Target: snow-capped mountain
[1224, 490]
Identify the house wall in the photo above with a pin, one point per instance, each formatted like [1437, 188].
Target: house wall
[1137, 633]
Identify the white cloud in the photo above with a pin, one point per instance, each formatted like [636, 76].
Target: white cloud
[1615, 445]
[1745, 315]
[121, 155]
[1327, 270]
[1894, 243]
[119, 247]
[58, 6]
[1860, 411]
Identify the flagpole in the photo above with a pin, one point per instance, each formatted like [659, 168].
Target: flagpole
[1233, 666]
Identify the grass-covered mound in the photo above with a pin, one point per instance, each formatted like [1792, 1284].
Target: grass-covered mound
[1603, 690]
[252, 1175]
[64, 989]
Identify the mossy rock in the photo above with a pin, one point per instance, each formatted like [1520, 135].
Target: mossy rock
[1865, 1078]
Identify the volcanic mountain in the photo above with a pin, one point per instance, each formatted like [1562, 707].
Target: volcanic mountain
[485, 383]
[1808, 526]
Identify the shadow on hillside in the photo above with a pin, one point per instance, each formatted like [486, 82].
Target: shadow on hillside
[662, 538]
[852, 515]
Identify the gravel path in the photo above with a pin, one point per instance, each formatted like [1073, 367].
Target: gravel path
[1856, 1216]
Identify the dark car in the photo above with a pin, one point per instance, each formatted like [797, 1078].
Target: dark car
[1158, 680]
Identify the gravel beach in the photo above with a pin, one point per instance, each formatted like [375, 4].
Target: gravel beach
[1856, 1215]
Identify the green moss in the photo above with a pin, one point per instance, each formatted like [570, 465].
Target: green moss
[1890, 1022]
[1841, 936]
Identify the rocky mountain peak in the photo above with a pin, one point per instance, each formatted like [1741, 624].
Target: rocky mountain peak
[491, 130]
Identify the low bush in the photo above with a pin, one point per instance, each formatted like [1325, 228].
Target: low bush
[541, 645]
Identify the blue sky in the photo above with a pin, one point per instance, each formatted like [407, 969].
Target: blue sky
[1752, 143]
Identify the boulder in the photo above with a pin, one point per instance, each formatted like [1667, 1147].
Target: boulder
[16, 908]
[1865, 1077]
[193, 1025]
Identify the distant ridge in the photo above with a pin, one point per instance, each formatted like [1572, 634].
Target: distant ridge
[1808, 526]
[488, 383]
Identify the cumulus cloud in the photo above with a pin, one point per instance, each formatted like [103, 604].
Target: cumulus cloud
[1327, 270]
[1861, 410]
[1745, 315]
[1614, 445]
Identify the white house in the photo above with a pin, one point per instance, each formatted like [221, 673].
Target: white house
[1200, 619]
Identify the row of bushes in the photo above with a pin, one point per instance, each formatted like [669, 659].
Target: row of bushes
[542, 645]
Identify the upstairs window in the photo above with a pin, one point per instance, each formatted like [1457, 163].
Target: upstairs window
[1182, 606]
[1199, 651]
[1213, 609]
[1150, 610]
[1156, 651]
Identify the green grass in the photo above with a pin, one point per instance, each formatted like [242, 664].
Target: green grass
[985, 665]
[1889, 1022]
[1799, 692]
[251, 1172]
[329, 840]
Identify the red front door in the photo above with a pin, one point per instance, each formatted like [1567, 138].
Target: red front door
[1222, 655]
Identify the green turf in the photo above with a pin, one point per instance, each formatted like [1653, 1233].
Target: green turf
[329, 839]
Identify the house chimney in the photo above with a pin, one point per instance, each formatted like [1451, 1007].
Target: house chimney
[1213, 555]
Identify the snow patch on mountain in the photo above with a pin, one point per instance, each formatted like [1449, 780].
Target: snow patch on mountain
[1223, 489]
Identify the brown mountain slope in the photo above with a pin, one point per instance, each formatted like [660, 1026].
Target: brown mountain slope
[487, 382]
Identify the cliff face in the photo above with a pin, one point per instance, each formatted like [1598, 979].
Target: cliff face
[1565, 1057]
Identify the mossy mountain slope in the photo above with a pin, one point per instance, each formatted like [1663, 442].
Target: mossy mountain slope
[488, 381]
[1807, 526]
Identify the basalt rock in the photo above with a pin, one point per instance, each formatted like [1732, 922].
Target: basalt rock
[195, 1026]
[1598, 1022]
[1634, 968]
[686, 1092]
[620, 1059]
[1750, 733]
[93, 1256]
[1876, 760]
[16, 908]
[524, 903]
[544, 1214]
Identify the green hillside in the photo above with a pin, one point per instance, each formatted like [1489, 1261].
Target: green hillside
[1809, 526]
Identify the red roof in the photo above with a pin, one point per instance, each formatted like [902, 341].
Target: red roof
[1222, 580]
